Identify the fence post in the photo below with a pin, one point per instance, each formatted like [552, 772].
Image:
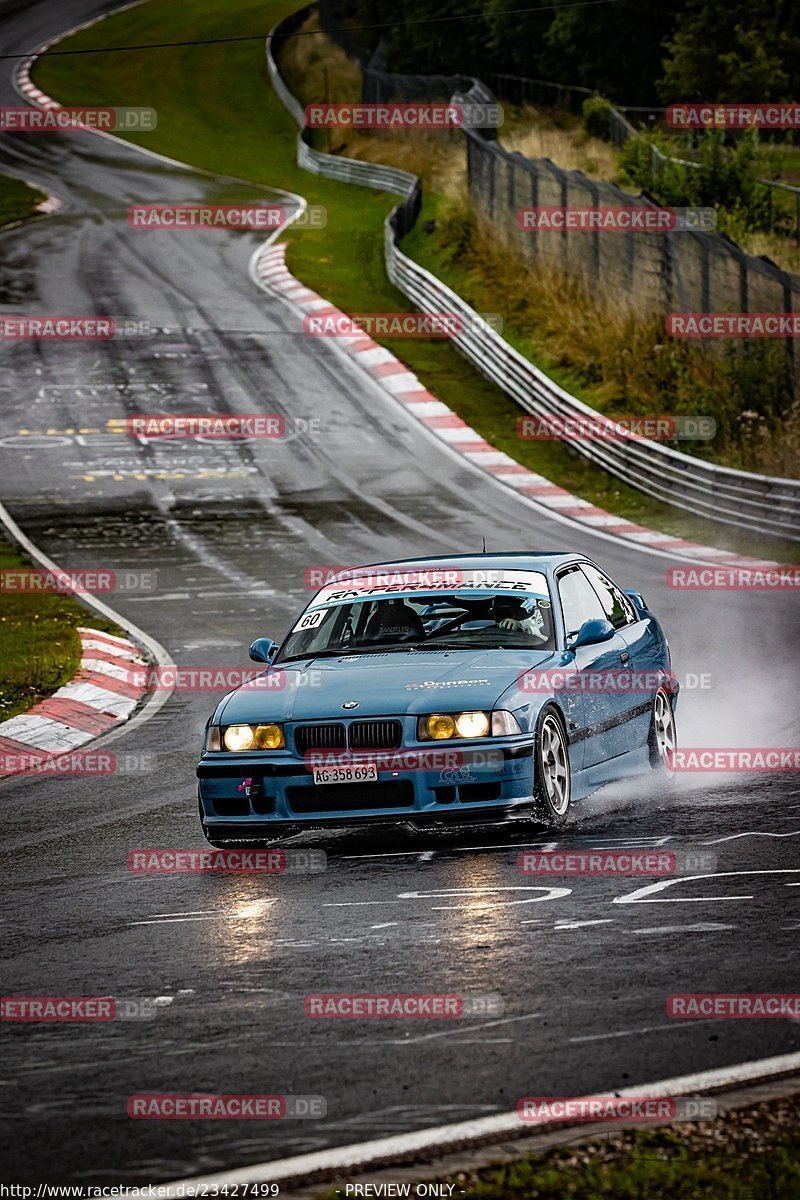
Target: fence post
[788, 306]
[533, 235]
[705, 298]
[564, 204]
[595, 194]
[666, 270]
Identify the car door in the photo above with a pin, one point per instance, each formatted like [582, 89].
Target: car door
[604, 708]
[645, 650]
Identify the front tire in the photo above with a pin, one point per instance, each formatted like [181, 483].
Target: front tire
[552, 787]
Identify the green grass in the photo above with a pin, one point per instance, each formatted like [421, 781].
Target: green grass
[17, 200]
[217, 111]
[39, 646]
[658, 1166]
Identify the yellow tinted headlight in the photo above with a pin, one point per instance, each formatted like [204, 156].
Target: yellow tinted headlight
[472, 724]
[239, 737]
[269, 737]
[440, 726]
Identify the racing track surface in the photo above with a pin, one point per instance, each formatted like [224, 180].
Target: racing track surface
[584, 979]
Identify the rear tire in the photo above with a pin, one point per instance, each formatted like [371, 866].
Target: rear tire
[662, 740]
[552, 786]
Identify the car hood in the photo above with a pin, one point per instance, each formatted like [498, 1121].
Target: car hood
[382, 684]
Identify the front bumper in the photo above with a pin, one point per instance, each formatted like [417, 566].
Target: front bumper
[242, 792]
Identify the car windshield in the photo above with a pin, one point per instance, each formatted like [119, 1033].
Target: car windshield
[472, 619]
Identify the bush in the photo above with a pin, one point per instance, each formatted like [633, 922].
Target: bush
[725, 177]
[597, 117]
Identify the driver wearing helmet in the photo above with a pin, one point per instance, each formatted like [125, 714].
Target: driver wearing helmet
[523, 616]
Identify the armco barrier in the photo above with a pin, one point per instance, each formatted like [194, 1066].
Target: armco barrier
[761, 503]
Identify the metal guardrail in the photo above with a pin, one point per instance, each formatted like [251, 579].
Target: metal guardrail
[760, 503]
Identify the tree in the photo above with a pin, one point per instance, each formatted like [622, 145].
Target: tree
[745, 50]
[615, 49]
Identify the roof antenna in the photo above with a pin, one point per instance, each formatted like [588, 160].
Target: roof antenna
[484, 544]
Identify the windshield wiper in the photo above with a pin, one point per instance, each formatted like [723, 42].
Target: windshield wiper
[357, 650]
[311, 654]
[432, 645]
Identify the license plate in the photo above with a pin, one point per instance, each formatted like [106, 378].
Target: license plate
[368, 773]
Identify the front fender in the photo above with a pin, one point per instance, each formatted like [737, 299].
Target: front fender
[534, 689]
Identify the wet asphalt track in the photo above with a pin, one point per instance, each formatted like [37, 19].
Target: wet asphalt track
[231, 530]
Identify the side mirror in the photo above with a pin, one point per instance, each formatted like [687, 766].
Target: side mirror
[263, 650]
[591, 633]
[637, 598]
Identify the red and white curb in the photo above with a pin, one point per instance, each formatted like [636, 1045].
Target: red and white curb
[269, 270]
[101, 695]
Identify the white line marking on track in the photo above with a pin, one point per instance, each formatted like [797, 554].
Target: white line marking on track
[245, 913]
[710, 927]
[620, 1033]
[732, 837]
[430, 1037]
[180, 920]
[582, 924]
[651, 888]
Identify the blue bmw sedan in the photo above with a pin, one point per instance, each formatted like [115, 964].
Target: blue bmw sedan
[472, 688]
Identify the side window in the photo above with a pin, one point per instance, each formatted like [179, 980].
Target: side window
[579, 600]
[616, 606]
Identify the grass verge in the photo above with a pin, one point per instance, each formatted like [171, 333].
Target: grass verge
[744, 1154]
[39, 645]
[18, 200]
[216, 110]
